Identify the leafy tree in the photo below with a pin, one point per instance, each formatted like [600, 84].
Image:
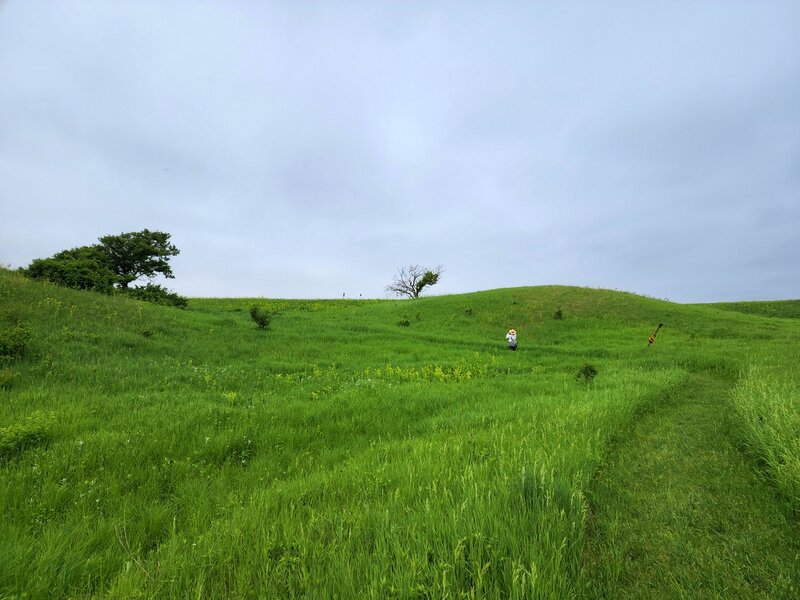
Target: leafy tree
[411, 280]
[114, 263]
[138, 254]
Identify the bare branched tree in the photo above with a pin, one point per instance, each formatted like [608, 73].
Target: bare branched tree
[411, 280]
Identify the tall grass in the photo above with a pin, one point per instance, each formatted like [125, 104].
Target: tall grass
[469, 502]
[767, 413]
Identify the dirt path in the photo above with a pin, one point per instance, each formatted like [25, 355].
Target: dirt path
[678, 512]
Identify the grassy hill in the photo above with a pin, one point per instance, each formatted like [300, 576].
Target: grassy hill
[356, 449]
[785, 309]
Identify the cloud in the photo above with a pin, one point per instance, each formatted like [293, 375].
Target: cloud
[309, 151]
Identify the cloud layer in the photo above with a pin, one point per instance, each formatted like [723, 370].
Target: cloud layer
[303, 151]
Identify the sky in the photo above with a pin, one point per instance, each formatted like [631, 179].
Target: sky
[311, 149]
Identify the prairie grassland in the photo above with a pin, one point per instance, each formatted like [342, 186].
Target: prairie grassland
[359, 448]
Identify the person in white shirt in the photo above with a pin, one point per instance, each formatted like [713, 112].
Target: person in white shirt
[511, 336]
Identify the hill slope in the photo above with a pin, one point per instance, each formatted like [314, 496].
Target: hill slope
[356, 449]
[784, 309]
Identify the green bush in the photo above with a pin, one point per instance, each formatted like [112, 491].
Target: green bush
[558, 315]
[261, 316]
[156, 294]
[586, 373]
[14, 341]
[84, 268]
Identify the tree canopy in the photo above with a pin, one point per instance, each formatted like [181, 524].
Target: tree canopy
[138, 254]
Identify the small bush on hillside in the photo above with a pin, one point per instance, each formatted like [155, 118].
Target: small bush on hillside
[558, 315]
[156, 294]
[14, 341]
[405, 322]
[586, 373]
[261, 316]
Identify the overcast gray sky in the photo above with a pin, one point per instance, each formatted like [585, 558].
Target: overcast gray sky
[310, 149]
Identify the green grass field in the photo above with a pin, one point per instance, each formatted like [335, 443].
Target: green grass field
[396, 449]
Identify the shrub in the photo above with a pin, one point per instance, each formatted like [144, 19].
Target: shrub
[156, 294]
[558, 315]
[586, 373]
[14, 342]
[261, 316]
[405, 322]
[84, 268]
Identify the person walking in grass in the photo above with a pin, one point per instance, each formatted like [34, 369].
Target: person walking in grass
[511, 336]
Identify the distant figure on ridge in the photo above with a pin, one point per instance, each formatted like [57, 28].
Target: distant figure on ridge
[511, 336]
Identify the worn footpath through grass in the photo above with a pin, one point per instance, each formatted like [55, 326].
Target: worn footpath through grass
[678, 512]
